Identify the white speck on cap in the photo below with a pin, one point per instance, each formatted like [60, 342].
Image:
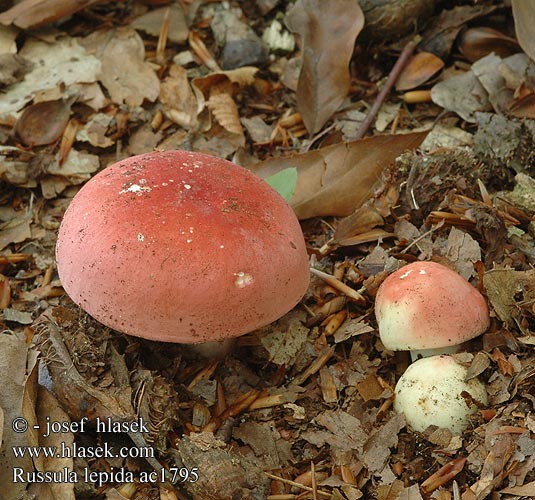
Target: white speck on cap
[243, 279]
[404, 275]
[136, 188]
[140, 237]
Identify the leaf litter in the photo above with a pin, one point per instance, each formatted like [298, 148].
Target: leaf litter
[302, 408]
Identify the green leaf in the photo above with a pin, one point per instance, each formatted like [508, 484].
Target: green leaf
[284, 182]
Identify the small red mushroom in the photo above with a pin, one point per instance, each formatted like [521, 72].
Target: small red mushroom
[181, 247]
[425, 306]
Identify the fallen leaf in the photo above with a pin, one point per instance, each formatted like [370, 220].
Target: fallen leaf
[523, 14]
[527, 490]
[328, 36]
[34, 13]
[443, 29]
[43, 123]
[94, 131]
[418, 70]
[258, 129]
[124, 71]
[362, 220]
[284, 339]
[505, 288]
[49, 410]
[338, 179]
[463, 94]
[152, 21]
[178, 99]
[18, 375]
[284, 182]
[476, 43]
[64, 62]
[226, 113]
[226, 80]
[376, 450]
[15, 230]
[463, 251]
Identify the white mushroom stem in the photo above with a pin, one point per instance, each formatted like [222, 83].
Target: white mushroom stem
[437, 351]
[216, 349]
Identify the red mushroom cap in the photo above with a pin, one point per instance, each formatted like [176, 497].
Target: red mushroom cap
[426, 305]
[181, 247]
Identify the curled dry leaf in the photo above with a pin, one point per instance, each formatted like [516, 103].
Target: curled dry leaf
[33, 13]
[523, 14]
[464, 94]
[225, 81]
[419, 70]
[124, 71]
[43, 123]
[222, 82]
[226, 113]
[338, 179]
[18, 373]
[328, 36]
[178, 99]
[508, 291]
[443, 29]
[476, 43]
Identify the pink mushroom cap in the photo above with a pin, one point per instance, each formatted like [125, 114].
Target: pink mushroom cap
[181, 247]
[425, 305]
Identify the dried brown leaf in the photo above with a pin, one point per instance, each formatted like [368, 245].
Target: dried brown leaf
[523, 14]
[15, 230]
[18, 376]
[463, 251]
[178, 99]
[328, 36]
[226, 113]
[43, 123]
[124, 71]
[462, 94]
[362, 220]
[527, 490]
[33, 13]
[49, 410]
[225, 81]
[419, 69]
[503, 285]
[443, 29]
[152, 21]
[476, 43]
[338, 179]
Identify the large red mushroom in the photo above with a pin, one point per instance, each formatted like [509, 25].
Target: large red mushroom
[181, 247]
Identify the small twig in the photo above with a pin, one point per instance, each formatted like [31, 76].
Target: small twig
[315, 366]
[162, 38]
[422, 236]
[391, 80]
[297, 485]
[314, 486]
[339, 285]
[443, 475]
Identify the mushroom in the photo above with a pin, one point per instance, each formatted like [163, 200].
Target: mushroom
[181, 247]
[430, 392]
[428, 309]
